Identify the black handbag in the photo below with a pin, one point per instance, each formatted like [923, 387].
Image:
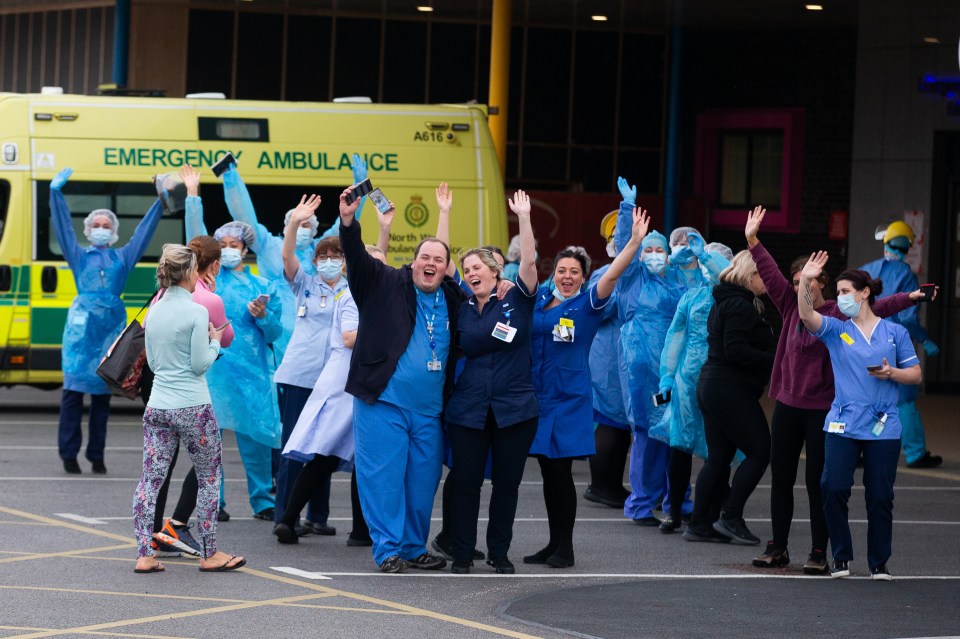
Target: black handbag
[122, 367]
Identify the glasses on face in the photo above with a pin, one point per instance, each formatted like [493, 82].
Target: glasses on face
[331, 256]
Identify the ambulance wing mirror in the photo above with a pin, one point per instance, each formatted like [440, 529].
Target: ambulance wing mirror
[6, 278]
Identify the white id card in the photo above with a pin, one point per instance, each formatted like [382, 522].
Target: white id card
[302, 311]
[836, 427]
[562, 333]
[434, 365]
[504, 332]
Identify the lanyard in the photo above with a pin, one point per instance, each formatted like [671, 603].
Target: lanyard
[429, 320]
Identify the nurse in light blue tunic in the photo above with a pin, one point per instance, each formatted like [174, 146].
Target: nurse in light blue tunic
[870, 357]
[565, 321]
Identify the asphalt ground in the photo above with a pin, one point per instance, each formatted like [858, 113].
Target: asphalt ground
[67, 554]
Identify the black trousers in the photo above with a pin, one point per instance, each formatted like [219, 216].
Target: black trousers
[791, 429]
[509, 446]
[732, 420]
[315, 474]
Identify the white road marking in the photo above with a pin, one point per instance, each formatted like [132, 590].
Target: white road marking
[82, 519]
[296, 572]
[607, 575]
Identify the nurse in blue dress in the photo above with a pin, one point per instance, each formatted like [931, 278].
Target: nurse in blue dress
[870, 357]
[565, 321]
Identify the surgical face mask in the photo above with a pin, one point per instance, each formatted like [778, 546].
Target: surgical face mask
[559, 296]
[329, 269]
[611, 248]
[655, 262]
[100, 236]
[304, 237]
[848, 306]
[676, 247]
[230, 258]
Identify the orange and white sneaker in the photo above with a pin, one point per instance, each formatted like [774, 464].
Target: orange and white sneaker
[178, 537]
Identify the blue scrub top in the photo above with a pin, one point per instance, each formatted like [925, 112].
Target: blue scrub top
[413, 387]
[561, 375]
[860, 398]
[497, 375]
[309, 347]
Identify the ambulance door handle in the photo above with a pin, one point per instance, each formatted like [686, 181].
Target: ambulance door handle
[6, 278]
[48, 279]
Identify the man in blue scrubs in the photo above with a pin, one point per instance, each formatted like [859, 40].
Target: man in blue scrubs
[400, 374]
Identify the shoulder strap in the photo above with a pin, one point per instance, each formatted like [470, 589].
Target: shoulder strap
[155, 296]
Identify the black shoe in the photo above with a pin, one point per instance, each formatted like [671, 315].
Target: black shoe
[736, 529]
[445, 549]
[704, 534]
[840, 569]
[772, 557]
[222, 515]
[927, 461]
[502, 565]
[647, 521]
[560, 561]
[267, 514]
[223, 164]
[99, 468]
[428, 561]
[394, 564]
[71, 466]
[461, 566]
[358, 541]
[880, 573]
[598, 496]
[320, 529]
[285, 534]
[668, 525]
[541, 556]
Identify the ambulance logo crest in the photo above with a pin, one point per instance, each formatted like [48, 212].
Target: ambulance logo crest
[416, 212]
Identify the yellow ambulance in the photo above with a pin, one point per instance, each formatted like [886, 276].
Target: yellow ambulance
[116, 145]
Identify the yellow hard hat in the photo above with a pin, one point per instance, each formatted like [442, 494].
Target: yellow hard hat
[609, 224]
[898, 229]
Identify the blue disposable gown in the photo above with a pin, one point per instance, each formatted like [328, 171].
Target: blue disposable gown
[241, 384]
[684, 353]
[97, 315]
[604, 370]
[899, 278]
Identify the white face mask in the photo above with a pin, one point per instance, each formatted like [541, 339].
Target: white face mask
[101, 236]
[304, 237]
[611, 248]
[655, 262]
[329, 269]
[230, 257]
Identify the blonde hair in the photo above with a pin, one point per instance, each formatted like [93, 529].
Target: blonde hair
[176, 263]
[741, 269]
[485, 255]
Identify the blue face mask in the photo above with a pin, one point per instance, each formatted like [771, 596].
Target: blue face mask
[655, 262]
[329, 270]
[848, 306]
[559, 296]
[230, 258]
[304, 237]
[101, 236]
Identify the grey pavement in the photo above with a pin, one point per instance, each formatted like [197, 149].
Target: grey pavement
[67, 556]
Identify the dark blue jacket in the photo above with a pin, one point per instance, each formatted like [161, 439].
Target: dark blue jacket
[387, 302]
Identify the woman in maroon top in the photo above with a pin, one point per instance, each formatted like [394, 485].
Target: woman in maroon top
[802, 385]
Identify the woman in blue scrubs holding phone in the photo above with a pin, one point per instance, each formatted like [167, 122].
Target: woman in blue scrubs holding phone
[870, 357]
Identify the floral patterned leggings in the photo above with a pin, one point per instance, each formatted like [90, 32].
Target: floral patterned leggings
[162, 431]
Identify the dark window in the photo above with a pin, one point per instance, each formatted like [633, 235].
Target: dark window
[245, 129]
[595, 80]
[259, 56]
[592, 169]
[751, 164]
[641, 90]
[547, 95]
[483, 64]
[357, 58]
[641, 168]
[4, 204]
[544, 164]
[405, 63]
[308, 58]
[453, 50]
[8, 50]
[514, 115]
[210, 51]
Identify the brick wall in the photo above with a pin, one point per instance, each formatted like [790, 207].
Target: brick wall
[814, 70]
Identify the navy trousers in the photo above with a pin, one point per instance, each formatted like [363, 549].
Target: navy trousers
[294, 399]
[70, 435]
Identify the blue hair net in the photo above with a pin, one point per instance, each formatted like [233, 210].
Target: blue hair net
[314, 224]
[114, 223]
[240, 230]
[655, 238]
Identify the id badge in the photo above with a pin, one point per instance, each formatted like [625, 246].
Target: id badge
[562, 333]
[434, 365]
[504, 332]
[836, 427]
[79, 319]
[302, 311]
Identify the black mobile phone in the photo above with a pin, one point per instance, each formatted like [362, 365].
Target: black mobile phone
[875, 368]
[380, 200]
[927, 290]
[223, 164]
[662, 398]
[359, 190]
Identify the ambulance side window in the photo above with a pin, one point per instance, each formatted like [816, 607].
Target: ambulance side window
[4, 204]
